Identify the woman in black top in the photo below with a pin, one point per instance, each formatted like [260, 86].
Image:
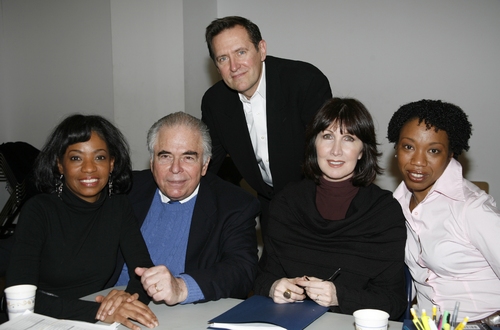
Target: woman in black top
[67, 239]
[337, 219]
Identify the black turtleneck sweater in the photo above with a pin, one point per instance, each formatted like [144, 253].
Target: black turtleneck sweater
[68, 247]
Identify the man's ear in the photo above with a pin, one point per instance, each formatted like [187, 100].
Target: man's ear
[205, 167]
[263, 50]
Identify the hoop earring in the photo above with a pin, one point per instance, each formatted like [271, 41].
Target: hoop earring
[59, 186]
[110, 185]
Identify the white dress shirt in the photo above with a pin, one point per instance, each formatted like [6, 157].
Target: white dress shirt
[452, 247]
[255, 114]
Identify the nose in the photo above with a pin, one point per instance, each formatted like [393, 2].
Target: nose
[176, 166]
[336, 149]
[233, 64]
[88, 166]
[418, 158]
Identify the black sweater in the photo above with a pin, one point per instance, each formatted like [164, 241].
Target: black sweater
[68, 247]
[368, 245]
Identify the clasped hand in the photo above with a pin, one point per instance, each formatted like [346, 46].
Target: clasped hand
[160, 284]
[323, 292]
[120, 306]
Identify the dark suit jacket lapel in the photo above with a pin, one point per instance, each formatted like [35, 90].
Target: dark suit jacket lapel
[202, 223]
[275, 111]
[241, 149]
[142, 195]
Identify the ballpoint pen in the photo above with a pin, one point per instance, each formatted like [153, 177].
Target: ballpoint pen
[331, 278]
[453, 322]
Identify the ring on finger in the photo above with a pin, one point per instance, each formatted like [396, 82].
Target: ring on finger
[287, 294]
[156, 288]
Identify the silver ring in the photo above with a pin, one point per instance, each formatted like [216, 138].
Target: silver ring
[156, 288]
[287, 294]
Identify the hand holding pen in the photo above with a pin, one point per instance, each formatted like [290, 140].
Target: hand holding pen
[322, 291]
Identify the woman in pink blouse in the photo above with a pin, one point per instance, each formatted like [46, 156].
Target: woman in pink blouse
[452, 226]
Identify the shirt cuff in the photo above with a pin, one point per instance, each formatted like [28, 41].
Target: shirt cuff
[194, 291]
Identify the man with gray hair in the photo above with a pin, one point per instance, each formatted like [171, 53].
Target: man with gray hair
[199, 229]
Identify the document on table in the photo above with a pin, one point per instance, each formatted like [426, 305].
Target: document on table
[259, 312]
[33, 321]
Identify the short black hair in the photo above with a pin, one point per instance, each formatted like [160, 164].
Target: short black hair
[438, 114]
[228, 22]
[75, 129]
[353, 117]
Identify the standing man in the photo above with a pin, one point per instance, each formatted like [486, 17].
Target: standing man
[258, 112]
[199, 229]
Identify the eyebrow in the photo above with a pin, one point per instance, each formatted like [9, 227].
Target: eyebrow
[81, 151]
[189, 152]
[430, 144]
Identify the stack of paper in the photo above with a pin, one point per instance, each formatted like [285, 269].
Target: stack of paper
[33, 321]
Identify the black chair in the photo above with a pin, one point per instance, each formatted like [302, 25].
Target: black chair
[16, 165]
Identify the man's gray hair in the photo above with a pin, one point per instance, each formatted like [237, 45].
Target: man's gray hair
[180, 119]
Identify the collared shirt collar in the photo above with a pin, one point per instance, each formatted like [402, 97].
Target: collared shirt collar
[165, 199]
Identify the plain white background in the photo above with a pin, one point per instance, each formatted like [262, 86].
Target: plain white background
[136, 61]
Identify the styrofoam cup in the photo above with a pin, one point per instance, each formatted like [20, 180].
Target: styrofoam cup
[371, 319]
[19, 299]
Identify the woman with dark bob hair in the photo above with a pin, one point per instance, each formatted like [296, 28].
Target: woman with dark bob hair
[336, 221]
[452, 225]
[67, 239]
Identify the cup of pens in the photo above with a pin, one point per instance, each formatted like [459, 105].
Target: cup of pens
[447, 321]
[370, 319]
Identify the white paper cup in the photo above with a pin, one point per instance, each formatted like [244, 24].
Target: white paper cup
[370, 319]
[19, 299]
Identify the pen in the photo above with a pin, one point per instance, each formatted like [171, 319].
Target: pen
[417, 323]
[453, 322]
[415, 320]
[425, 320]
[444, 320]
[462, 324]
[432, 325]
[434, 311]
[331, 278]
[439, 322]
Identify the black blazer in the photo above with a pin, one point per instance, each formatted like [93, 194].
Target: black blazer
[222, 246]
[295, 92]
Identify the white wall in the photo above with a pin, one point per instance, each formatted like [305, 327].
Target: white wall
[135, 61]
[55, 59]
[148, 67]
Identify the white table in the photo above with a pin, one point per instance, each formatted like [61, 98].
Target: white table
[196, 316]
